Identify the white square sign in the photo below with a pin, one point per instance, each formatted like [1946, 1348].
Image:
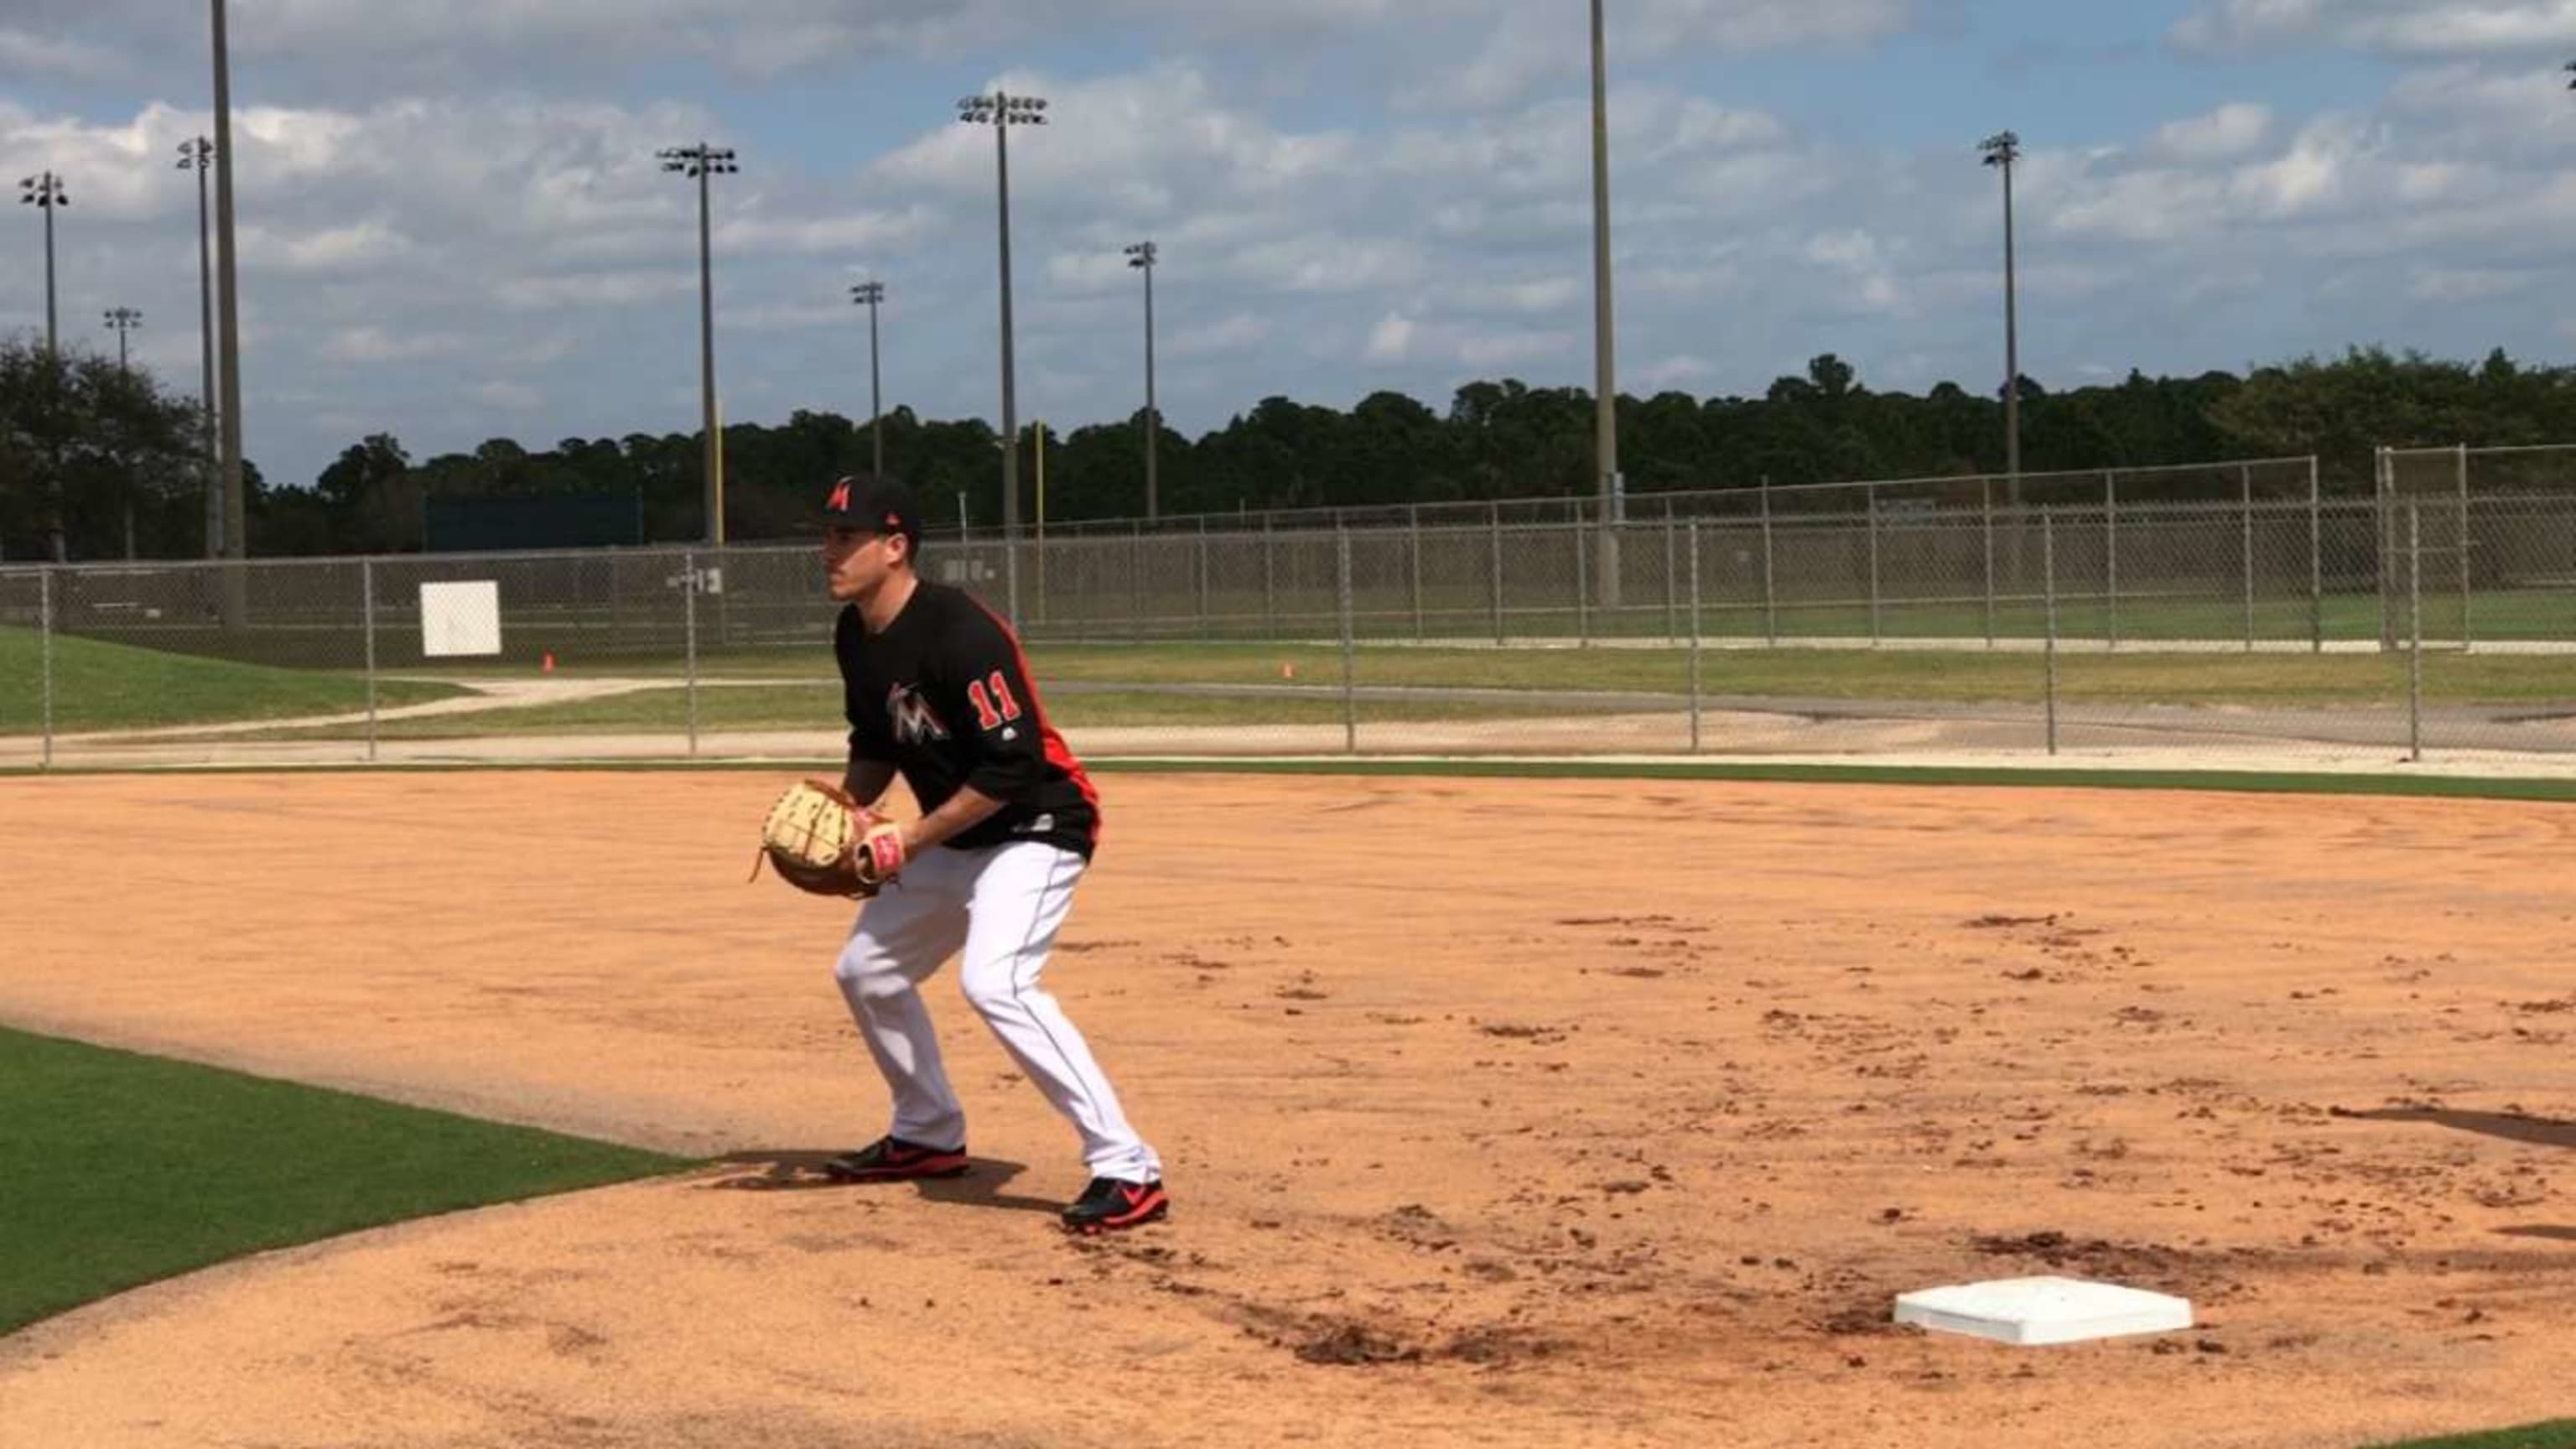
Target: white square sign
[461, 618]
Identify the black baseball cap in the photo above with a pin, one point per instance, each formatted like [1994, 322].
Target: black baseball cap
[874, 503]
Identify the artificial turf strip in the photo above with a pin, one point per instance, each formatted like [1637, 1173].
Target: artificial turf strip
[118, 1169]
[2557, 1434]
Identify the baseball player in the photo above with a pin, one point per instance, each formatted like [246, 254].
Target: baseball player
[935, 686]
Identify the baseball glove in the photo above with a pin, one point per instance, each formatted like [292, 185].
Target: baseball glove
[821, 841]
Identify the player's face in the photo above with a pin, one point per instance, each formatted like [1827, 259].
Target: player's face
[855, 561]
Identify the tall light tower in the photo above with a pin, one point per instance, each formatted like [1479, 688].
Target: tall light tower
[198, 156]
[2001, 151]
[698, 163]
[1002, 110]
[228, 413]
[44, 192]
[1142, 257]
[870, 295]
[121, 320]
[1605, 383]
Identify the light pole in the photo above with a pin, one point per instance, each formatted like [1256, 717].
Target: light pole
[122, 320]
[2001, 151]
[228, 412]
[198, 155]
[45, 193]
[1002, 111]
[1605, 385]
[699, 162]
[1142, 257]
[870, 295]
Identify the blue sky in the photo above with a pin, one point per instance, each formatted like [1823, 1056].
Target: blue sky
[454, 229]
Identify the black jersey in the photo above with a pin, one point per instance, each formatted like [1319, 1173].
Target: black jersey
[944, 696]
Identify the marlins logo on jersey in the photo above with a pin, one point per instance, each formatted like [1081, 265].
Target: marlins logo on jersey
[911, 716]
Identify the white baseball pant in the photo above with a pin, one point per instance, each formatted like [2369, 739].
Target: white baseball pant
[1000, 906]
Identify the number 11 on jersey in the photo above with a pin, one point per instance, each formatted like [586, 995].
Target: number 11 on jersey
[995, 706]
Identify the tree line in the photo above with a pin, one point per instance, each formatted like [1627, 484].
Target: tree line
[96, 459]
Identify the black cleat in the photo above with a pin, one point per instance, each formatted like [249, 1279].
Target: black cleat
[1109, 1205]
[891, 1159]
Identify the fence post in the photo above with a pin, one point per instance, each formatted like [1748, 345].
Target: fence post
[1694, 637]
[2048, 575]
[1350, 663]
[2383, 485]
[1582, 589]
[689, 598]
[1871, 499]
[45, 662]
[1495, 527]
[2111, 551]
[2468, 636]
[1770, 590]
[1414, 526]
[1207, 625]
[1136, 582]
[367, 612]
[2245, 476]
[1672, 586]
[1269, 581]
[1988, 485]
[2414, 633]
[2316, 565]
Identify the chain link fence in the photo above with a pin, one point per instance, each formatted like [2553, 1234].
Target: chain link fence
[2272, 622]
[2264, 479]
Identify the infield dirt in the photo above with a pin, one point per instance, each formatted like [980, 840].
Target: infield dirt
[1500, 1112]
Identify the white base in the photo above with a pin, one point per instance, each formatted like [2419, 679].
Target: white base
[2043, 1310]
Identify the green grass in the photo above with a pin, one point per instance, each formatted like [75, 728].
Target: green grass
[2036, 777]
[1117, 686]
[2279, 614]
[2557, 1434]
[1955, 676]
[2000, 777]
[2531, 614]
[101, 686]
[123, 1169]
[1836, 673]
[665, 709]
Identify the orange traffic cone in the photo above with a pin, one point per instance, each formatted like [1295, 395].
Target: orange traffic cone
[1287, 671]
[550, 661]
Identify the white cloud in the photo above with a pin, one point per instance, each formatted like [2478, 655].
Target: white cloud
[374, 344]
[1482, 351]
[507, 395]
[1680, 370]
[55, 57]
[365, 243]
[597, 289]
[1234, 332]
[2228, 132]
[1523, 45]
[886, 233]
[2469, 285]
[2412, 28]
[1392, 339]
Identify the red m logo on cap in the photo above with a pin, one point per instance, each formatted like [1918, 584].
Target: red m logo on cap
[839, 502]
